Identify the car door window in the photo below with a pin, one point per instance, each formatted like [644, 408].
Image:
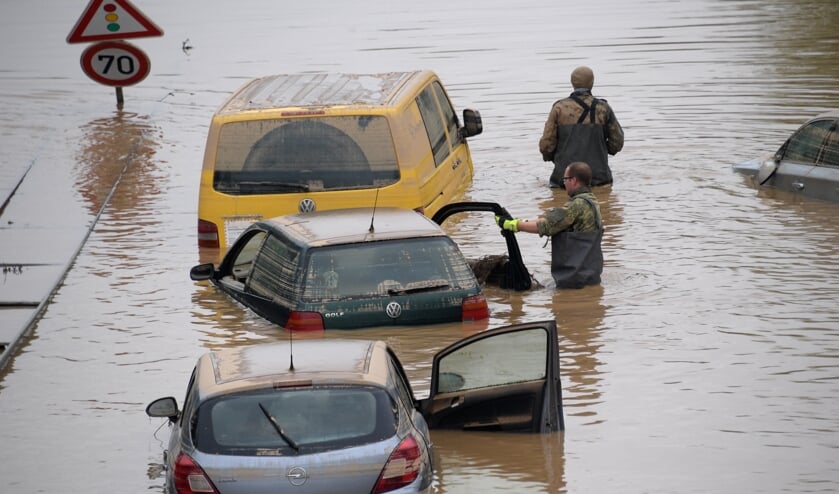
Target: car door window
[805, 145]
[400, 381]
[449, 115]
[242, 262]
[830, 152]
[502, 379]
[274, 271]
[506, 359]
[434, 125]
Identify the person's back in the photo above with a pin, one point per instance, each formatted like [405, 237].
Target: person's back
[581, 128]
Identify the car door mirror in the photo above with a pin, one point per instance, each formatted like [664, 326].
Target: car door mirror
[202, 272]
[472, 124]
[164, 407]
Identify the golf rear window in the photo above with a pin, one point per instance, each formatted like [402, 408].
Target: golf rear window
[376, 269]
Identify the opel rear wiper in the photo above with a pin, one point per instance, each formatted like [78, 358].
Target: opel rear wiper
[291, 442]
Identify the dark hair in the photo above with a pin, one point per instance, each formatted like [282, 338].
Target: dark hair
[580, 170]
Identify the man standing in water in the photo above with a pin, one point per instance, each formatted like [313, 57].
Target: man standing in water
[581, 128]
[576, 231]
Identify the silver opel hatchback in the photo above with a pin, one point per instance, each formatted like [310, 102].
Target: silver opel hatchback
[325, 416]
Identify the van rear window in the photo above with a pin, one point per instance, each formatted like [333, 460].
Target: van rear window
[305, 155]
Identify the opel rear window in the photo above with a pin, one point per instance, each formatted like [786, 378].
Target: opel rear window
[304, 419]
[303, 154]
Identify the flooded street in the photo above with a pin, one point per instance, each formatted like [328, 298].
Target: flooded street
[707, 361]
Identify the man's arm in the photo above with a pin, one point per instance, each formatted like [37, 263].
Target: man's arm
[614, 134]
[547, 144]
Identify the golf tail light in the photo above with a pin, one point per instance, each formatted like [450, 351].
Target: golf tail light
[402, 468]
[304, 321]
[207, 234]
[190, 478]
[474, 308]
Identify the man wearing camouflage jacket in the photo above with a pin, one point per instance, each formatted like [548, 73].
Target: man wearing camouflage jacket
[576, 231]
[581, 128]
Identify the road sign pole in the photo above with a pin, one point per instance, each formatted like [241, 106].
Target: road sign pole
[120, 99]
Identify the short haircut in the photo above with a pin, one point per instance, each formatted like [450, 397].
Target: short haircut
[580, 170]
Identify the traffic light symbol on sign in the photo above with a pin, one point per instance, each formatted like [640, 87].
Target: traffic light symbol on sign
[112, 20]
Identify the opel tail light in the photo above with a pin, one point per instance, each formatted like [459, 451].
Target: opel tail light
[190, 478]
[402, 468]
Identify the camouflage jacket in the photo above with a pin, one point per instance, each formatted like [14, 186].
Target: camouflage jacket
[568, 112]
[576, 216]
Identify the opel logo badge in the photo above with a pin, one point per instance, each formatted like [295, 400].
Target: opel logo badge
[297, 476]
[393, 310]
[306, 206]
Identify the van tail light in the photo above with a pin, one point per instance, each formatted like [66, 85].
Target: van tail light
[190, 478]
[207, 234]
[402, 468]
[304, 321]
[474, 308]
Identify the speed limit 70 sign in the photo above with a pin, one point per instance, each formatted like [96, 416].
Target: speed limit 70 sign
[115, 63]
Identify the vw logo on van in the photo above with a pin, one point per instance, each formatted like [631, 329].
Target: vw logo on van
[306, 206]
[393, 310]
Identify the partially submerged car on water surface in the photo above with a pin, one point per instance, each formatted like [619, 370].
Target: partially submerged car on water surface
[291, 143]
[356, 268]
[324, 416]
[806, 164]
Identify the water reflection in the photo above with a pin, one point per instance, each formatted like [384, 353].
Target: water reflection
[113, 148]
[498, 462]
[579, 315]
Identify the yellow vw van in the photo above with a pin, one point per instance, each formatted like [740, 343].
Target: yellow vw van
[286, 144]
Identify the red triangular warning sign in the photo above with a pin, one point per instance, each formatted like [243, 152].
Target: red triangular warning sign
[112, 19]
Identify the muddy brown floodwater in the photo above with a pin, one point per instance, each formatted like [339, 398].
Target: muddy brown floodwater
[706, 362]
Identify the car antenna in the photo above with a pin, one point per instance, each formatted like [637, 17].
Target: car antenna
[290, 349]
[373, 216]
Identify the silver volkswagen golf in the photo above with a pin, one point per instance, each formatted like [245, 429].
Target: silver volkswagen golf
[325, 416]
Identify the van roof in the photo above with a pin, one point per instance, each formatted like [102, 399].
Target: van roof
[342, 226]
[321, 90]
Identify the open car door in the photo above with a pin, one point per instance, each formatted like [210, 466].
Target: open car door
[513, 274]
[503, 379]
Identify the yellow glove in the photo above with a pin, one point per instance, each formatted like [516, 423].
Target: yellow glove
[511, 224]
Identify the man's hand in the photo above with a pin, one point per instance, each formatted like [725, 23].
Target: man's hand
[507, 223]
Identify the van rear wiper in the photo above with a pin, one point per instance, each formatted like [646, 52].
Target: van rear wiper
[291, 442]
[269, 185]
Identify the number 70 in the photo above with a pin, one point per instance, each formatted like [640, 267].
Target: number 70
[124, 63]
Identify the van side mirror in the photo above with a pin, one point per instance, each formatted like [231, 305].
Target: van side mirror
[472, 124]
[202, 272]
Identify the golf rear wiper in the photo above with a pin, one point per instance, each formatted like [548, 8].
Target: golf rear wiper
[291, 442]
[419, 286]
[269, 185]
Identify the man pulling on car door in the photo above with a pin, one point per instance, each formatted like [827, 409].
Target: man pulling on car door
[576, 231]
